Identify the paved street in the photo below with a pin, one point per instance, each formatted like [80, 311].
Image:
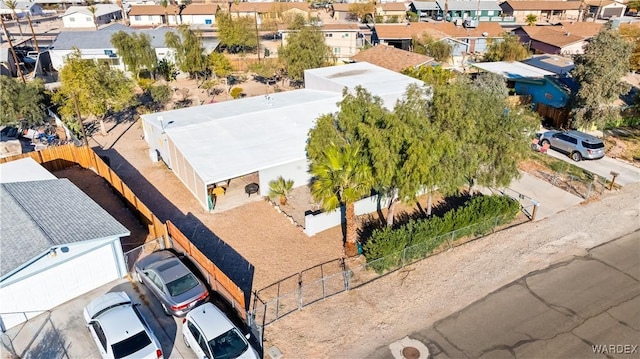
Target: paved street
[586, 307]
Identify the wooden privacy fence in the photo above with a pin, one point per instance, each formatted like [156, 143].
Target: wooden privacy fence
[60, 157]
[218, 281]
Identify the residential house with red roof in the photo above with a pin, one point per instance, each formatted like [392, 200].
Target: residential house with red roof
[567, 38]
[544, 10]
[393, 59]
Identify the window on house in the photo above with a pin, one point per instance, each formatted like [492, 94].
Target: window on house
[328, 35]
[88, 19]
[208, 22]
[489, 12]
[137, 17]
[72, 19]
[336, 50]
[150, 17]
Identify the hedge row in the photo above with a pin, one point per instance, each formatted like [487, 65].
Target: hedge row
[388, 247]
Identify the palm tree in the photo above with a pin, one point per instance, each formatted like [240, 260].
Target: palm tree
[531, 19]
[280, 188]
[12, 5]
[341, 177]
[164, 4]
[92, 9]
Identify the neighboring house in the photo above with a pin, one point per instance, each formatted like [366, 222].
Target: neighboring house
[553, 63]
[270, 11]
[81, 16]
[392, 11]
[549, 93]
[266, 135]
[97, 45]
[192, 14]
[605, 9]
[565, 38]
[544, 10]
[465, 41]
[57, 243]
[459, 10]
[390, 58]
[344, 39]
[23, 8]
[341, 12]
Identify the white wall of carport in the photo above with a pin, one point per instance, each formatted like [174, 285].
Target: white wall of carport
[298, 171]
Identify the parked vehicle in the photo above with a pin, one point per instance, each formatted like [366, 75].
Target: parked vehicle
[578, 145]
[119, 329]
[177, 289]
[210, 334]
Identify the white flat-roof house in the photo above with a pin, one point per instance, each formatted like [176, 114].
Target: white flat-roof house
[81, 16]
[267, 135]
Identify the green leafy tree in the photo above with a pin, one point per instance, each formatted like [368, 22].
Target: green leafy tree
[166, 69]
[531, 19]
[361, 10]
[95, 87]
[631, 33]
[161, 94]
[136, 51]
[492, 83]
[219, 64]
[598, 72]
[280, 189]
[189, 51]
[236, 34]
[92, 9]
[340, 178]
[268, 68]
[431, 75]
[296, 22]
[21, 102]
[165, 4]
[508, 48]
[490, 138]
[427, 45]
[305, 49]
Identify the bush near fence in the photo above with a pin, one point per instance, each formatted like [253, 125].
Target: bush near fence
[477, 217]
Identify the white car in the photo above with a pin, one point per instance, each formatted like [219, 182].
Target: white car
[211, 335]
[119, 330]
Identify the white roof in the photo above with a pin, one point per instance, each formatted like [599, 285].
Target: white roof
[376, 80]
[232, 138]
[513, 70]
[23, 170]
[101, 9]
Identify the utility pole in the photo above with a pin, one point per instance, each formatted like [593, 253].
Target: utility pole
[35, 39]
[13, 51]
[255, 16]
[84, 132]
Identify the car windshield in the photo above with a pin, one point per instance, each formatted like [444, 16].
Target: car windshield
[181, 285]
[593, 146]
[131, 345]
[229, 345]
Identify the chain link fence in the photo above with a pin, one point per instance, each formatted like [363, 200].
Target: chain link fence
[130, 257]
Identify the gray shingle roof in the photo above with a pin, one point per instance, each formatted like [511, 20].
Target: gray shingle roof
[37, 215]
[101, 39]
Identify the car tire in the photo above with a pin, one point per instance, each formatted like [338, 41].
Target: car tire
[576, 156]
[164, 309]
[186, 342]
[545, 142]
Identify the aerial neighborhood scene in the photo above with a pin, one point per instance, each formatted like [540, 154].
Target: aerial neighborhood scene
[320, 179]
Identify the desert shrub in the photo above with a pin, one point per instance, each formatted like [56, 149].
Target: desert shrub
[236, 92]
[418, 238]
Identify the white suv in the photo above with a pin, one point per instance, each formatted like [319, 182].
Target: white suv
[210, 334]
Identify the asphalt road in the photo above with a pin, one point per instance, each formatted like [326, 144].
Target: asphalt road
[586, 307]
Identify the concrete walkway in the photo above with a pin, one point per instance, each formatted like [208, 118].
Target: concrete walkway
[551, 199]
[586, 307]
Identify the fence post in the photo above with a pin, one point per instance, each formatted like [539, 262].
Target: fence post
[453, 233]
[535, 209]
[299, 291]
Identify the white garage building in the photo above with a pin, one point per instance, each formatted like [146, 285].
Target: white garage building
[267, 135]
[56, 243]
